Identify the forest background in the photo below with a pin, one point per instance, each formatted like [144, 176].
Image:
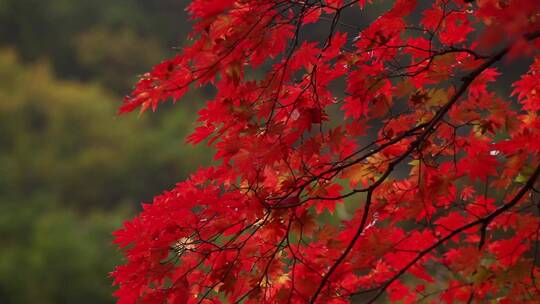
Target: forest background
[71, 170]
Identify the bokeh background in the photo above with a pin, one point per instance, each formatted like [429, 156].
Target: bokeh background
[71, 170]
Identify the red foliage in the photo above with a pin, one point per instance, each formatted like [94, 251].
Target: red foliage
[435, 164]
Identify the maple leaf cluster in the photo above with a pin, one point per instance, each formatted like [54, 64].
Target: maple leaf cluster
[377, 162]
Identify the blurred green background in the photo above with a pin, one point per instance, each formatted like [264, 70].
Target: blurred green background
[71, 170]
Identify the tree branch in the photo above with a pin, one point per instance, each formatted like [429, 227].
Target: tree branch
[527, 187]
[429, 129]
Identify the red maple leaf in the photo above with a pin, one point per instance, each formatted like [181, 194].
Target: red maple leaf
[395, 120]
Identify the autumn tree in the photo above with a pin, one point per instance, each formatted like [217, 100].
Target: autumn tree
[413, 122]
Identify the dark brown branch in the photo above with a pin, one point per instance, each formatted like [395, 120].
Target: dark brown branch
[347, 250]
[487, 219]
[430, 128]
